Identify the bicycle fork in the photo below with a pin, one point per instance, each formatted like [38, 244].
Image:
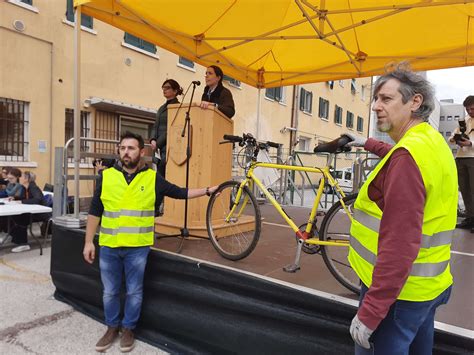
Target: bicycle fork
[296, 265]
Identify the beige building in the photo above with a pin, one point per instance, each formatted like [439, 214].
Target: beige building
[121, 90]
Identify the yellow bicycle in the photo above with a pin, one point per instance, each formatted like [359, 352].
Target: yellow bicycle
[234, 219]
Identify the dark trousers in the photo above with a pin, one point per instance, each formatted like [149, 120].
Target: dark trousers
[20, 223]
[465, 168]
[3, 224]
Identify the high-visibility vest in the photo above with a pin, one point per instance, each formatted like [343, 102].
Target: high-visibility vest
[129, 209]
[430, 274]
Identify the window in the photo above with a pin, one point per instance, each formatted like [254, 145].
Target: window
[232, 81]
[349, 119]
[456, 118]
[360, 124]
[362, 92]
[330, 84]
[338, 115]
[323, 108]
[275, 93]
[28, 2]
[306, 101]
[441, 118]
[353, 87]
[86, 20]
[13, 130]
[448, 134]
[303, 144]
[69, 131]
[136, 125]
[450, 118]
[186, 62]
[341, 83]
[139, 43]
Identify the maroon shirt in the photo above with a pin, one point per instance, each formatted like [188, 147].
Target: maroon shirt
[398, 190]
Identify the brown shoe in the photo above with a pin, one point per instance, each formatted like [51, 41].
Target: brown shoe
[127, 341]
[108, 339]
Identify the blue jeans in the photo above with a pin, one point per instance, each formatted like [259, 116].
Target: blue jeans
[113, 263]
[408, 327]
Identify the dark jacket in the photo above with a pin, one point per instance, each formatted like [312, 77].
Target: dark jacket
[222, 97]
[34, 195]
[160, 128]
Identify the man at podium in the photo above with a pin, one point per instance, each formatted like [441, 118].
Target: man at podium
[216, 93]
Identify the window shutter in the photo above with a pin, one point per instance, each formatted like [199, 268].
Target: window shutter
[148, 46]
[278, 94]
[310, 102]
[86, 21]
[131, 39]
[302, 98]
[70, 11]
[190, 64]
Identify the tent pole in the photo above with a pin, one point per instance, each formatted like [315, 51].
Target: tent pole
[258, 114]
[77, 106]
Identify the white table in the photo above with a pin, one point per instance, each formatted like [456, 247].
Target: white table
[14, 208]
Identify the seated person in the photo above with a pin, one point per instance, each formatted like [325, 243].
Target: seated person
[33, 196]
[14, 188]
[3, 181]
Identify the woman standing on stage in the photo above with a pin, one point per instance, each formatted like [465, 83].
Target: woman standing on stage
[216, 93]
[171, 89]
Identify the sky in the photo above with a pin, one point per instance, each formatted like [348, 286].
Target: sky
[454, 83]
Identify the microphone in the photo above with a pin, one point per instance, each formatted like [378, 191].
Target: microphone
[196, 82]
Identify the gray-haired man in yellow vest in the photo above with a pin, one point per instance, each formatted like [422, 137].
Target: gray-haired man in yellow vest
[126, 198]
[404, 218]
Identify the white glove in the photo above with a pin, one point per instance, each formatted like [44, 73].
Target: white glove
[360, 333]
[357, 141]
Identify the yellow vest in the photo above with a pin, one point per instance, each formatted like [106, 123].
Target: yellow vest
[129, 210]
[430, 274]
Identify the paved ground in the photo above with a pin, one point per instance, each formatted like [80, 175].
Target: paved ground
[32, 322]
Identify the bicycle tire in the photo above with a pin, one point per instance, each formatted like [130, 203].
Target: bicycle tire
[335, 257]
[232, 240]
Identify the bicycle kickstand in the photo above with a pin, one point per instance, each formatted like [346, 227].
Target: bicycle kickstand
[296, 265]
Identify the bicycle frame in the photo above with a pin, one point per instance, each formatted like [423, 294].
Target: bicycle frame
[326, 175]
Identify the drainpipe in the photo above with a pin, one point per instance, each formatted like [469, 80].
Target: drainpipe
[294, 118]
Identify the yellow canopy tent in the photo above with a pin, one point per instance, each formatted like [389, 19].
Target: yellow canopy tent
[268, 43]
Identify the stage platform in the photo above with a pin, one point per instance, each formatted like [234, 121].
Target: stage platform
[276, 248]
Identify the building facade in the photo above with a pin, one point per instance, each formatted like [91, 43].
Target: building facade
[121, 78]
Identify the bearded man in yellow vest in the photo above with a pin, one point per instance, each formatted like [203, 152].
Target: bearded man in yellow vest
[404, 218]
[125, 202]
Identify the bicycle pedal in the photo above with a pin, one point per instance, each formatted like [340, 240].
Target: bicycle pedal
[291, 268]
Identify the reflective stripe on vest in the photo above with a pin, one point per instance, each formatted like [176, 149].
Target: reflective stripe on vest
[421, 269]
[128, 230]
[437, 239]
[128, 213]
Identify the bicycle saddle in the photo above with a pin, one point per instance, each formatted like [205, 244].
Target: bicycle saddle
[337, 145]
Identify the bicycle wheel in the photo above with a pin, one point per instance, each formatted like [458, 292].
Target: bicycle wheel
[335, 227]
[233, 235]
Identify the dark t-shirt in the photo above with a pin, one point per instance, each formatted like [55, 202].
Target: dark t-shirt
[162, 188]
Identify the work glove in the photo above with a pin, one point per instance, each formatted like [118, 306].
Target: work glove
[360, 333]
[356, 140]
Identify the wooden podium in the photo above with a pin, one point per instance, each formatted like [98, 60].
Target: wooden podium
[210, 164]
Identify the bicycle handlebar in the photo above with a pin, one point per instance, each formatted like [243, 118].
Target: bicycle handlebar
[231, 138]
[248, 139]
